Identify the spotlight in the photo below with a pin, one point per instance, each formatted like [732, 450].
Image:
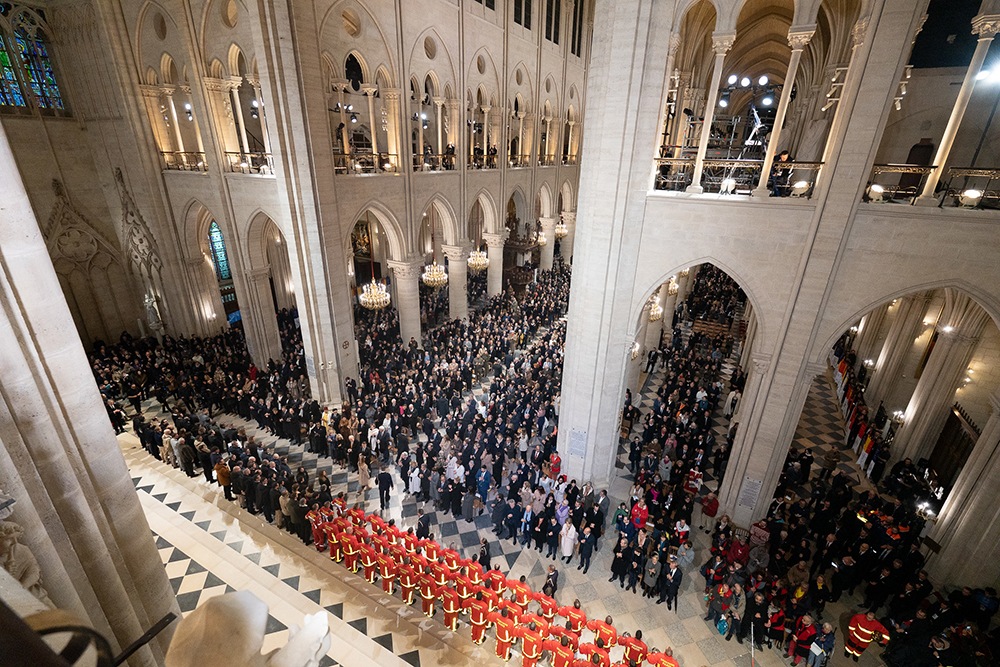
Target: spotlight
[425, 126]
[876, 192]
[745, 82]
[724, 100]
[732, 79]
[423, 116]
[350, 107]
[948, 329]
[767, 101]
[829, 104]
[728, 186]
[970, 198]
[762, 81]
[354, 118]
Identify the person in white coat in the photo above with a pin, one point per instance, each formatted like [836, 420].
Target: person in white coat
[568, 540]
[731, 402]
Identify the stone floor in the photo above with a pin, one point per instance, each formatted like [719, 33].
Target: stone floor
[210, 546]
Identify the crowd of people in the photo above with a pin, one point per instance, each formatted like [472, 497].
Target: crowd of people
[412, 409]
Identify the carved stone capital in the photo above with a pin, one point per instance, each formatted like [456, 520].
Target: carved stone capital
[568, 217]
[496, 240]
[369, 90]
[761, 362]
[548, 224]
[214, 85]
[859, 31]
[457, 253]
[815, 368]
[261, 274]
[798, 38]
[722, 42]
[150, 91]
[406, 271]
[986, 25]
[675, 43]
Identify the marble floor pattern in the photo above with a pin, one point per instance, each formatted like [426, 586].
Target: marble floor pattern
[210, 546]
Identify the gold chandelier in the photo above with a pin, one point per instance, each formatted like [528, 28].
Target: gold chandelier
[478, 261]
[672, 288]
[373, 295]
[656, 311]
[540, 238]
[562, 231]
[435, 276]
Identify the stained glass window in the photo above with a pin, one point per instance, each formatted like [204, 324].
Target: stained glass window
[38, 68]
[10, 91]
[219, 258]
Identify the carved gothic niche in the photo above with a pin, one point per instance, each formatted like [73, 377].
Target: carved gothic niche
[92, 273]
[140, 245]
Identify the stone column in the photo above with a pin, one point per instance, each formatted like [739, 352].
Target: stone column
[520, 137]
[407, 277]
[458, 280]
[797, 39]
[392, 133]
[255, 82]
[212, 312]
[721, 43]
[654, 329]
[566, 244]
[569, 141]
[234, 90]
[154, 108]
[220, 108]
[439, 106]
[958, 331]
[636, 365]
[678, 126]
[494, 273]
[260, 323]
[668, 299]
[340, 86]
[369, 92]
[59, 457]
[178, 140]
[864, 345]
[548, 250]
[909, 313]
[986, 27]
[968, 528]
[453, 128]
[748, 343]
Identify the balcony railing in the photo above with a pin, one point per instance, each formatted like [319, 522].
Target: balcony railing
[897, 183]
[969, 187]
[250, 163]
[429, 162]
[517, 161]
[546, 160]
[488, 161]
[794, 179]
[365, 163]
[178, 161]
[569, 159]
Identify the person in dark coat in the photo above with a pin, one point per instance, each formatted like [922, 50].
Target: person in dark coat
[552, 530]
[670, 583]
[586, 548]
[622, 560]
[384, 480]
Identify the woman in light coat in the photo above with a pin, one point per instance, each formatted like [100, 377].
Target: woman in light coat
[364, 477]
[567, 539]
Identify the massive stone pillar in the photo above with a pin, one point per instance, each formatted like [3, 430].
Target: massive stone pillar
[494, 273]
[407, 278]
[958, 331]
[566, 244]
[909, 313]
[654, 329]
[458, 280]
[721, 43]
[548, 250]
[262, 326]
[968, 528]
[865, 343]
[58, 455]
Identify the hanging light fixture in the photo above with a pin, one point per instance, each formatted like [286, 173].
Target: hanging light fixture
[373, 295]
[672, 286]
[478, 259]
[434, 274]
[562, 231]
[656, 311]
[540, 237]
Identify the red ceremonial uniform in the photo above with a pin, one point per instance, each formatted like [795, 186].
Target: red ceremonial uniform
[428, 592]
[410, 542]
[441, 573]
[451, 603]
[590, 649]
[492, 598]
[315, 520]
[522, 593]
[380, 543]
[349, 545]
[368, 561]
[861, 632]
[548, 605]
[496, 581]
[661, 660]
[394, 534]
[559, 631]
[464, 586]
[540, 623]
[635, 649]
[574, 616]
[356, 515]
[387, 568]
[604, 632]
[505, 634]
[479, 611]
[562, 656]
[513, 611]
[408, 581]
[431, 549]
[531, 645]
[333, 539]
[476, 573]
[452, 560]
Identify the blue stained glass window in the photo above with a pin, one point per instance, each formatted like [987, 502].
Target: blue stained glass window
[10, 90]
[219, 258]
[38, 67]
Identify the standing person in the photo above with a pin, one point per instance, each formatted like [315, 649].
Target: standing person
[862, 631]
[707, 507]
[737, 610]
[651, 575]
[385, 483]
[586, 548]
[222, 475]
[364, 478]
[670, 583]
[551, 584]
[568, 538]
[802, 640]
